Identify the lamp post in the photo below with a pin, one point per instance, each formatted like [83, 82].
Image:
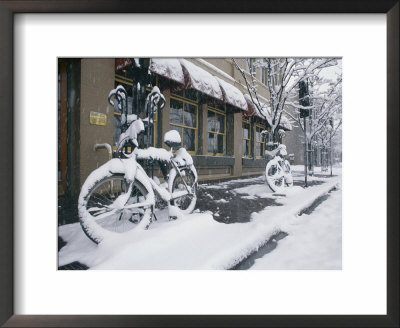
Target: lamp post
[330, 143]
[304, 100]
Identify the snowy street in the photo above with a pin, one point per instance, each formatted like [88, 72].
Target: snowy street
[234, 223]
[313, 241]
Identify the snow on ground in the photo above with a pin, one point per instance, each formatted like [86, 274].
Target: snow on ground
[196, 241]
[314, 241]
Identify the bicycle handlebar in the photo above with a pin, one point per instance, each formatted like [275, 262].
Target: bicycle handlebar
[154, 98]
[118, 92]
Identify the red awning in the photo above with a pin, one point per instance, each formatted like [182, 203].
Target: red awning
[253, 111]
[194, 77]
[121, 63]
[232, 95]
[200, 80]
[167, 67]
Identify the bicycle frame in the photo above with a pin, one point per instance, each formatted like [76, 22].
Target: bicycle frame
[162, 192]
[131, 129]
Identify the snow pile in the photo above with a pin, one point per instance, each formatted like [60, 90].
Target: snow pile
[167, 67]
[160, 154]
[115, 165]
[232, 95]
[182, 157]
[131, 134]
[172, 136]
[314, 241]
[199, 79]
[196, 241]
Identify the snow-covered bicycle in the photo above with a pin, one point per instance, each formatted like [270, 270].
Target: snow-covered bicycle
[278, 172]
[119, 195]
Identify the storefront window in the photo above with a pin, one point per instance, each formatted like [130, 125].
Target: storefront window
[260, 142]
[183, 118]
[216, 119]
[246, 138]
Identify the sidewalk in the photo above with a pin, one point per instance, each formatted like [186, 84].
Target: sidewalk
[201, 240]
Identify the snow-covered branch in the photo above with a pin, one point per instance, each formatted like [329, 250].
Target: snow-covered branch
[283, 76]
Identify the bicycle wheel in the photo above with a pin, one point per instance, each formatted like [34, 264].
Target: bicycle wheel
[288, 174]
[103, 204]
[187, 202]
[275, 176]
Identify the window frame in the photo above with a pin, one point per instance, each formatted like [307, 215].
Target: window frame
[183, 126]
[249, 66]
[220, 112]
[264, 75]
[262, 142]
[247, 121]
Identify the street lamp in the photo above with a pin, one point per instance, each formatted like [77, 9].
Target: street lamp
[304, 100]
[330, 142]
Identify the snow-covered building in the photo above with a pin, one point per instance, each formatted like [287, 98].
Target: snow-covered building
[205, 102]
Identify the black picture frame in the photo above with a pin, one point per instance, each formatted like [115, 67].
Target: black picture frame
[7, 11]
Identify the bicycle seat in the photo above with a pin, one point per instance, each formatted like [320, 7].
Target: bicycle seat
[281, 149]
[172, 139]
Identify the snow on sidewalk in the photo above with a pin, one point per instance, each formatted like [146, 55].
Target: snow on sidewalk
[195, 242]
[314, 241]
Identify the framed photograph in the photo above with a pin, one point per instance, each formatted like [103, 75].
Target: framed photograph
[218, 165]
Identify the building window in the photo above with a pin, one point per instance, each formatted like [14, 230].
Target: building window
[216, 127]
[183, 118]
[260, 141]
[264, 75]
[187, 94]
[250, 65]
[246, 138]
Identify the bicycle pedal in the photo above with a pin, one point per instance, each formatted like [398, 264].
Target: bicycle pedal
[172, 218]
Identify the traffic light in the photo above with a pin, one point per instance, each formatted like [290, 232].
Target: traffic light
[304, 99]
[304, 113]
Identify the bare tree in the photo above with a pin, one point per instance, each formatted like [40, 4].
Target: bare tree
[325, 138]
[325, 112]
[283, 76]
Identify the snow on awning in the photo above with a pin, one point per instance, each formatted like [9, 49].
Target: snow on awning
[200, 80]
[167, 67]
[253, 110]
[121, 63]
[192, 76]
[232, 95]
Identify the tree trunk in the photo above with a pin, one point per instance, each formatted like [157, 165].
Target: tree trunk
[305, 153]
[330, 153]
